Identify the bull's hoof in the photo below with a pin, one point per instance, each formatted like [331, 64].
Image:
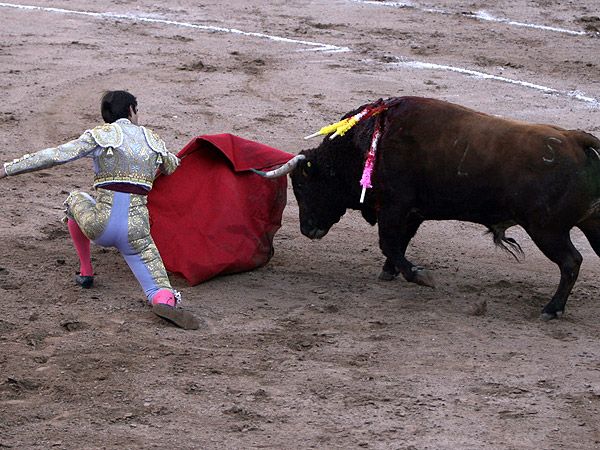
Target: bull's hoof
[423, 277]
[546, 316]
[386, 276]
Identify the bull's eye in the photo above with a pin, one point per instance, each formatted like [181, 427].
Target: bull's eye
[308, 169]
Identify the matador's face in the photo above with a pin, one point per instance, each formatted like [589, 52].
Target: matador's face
[133, 115]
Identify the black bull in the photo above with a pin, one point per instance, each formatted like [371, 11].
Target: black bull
[440, 161]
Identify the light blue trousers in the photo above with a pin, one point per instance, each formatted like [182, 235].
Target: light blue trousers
[121, 220]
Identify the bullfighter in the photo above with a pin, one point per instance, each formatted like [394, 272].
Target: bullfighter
[126, 159]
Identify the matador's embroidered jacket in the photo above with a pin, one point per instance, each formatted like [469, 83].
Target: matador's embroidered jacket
[122, 152]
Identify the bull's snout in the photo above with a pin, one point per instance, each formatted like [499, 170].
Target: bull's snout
[309, 229]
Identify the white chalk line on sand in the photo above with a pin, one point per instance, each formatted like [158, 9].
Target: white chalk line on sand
[315, 46]
[481, 15]
[429, 66]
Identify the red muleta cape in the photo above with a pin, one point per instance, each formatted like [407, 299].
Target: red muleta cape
[213, 216]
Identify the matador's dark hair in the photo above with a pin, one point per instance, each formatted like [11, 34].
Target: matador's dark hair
[115, 105]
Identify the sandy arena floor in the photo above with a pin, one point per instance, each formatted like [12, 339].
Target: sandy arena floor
[311, 351]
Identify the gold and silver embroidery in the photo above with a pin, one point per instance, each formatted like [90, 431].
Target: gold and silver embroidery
[123, 153]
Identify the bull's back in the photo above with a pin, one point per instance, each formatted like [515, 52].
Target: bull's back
[467, 165]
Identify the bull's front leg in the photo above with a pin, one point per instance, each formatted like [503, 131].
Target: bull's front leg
[394, 237]
[389, 271]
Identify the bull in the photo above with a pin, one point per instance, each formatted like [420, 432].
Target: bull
[440, 161]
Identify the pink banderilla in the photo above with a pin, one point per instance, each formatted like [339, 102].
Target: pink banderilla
[365, 181]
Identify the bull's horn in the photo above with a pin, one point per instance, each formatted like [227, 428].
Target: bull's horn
[283, 170]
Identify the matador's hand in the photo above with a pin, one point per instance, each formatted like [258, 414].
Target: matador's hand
[2, 172]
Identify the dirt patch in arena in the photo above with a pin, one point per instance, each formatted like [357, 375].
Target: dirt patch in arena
[311, 351]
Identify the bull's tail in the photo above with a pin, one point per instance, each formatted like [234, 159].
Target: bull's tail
[508, 244]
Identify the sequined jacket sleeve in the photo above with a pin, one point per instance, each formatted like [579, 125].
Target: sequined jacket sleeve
[50, 157]
[170, 162]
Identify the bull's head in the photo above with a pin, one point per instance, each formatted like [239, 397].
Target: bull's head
[318, 190]
[326, 179]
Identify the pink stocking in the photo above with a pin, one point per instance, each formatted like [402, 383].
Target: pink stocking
[164, 296]
[82, 245]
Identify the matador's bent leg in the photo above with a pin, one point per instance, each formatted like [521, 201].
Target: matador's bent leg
[82, 245]
[83, 210]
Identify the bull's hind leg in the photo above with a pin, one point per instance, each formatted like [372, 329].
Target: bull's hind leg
[389, 271]
[557, 246]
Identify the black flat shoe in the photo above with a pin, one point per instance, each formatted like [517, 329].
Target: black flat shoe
[85, 281]
[176, 316]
